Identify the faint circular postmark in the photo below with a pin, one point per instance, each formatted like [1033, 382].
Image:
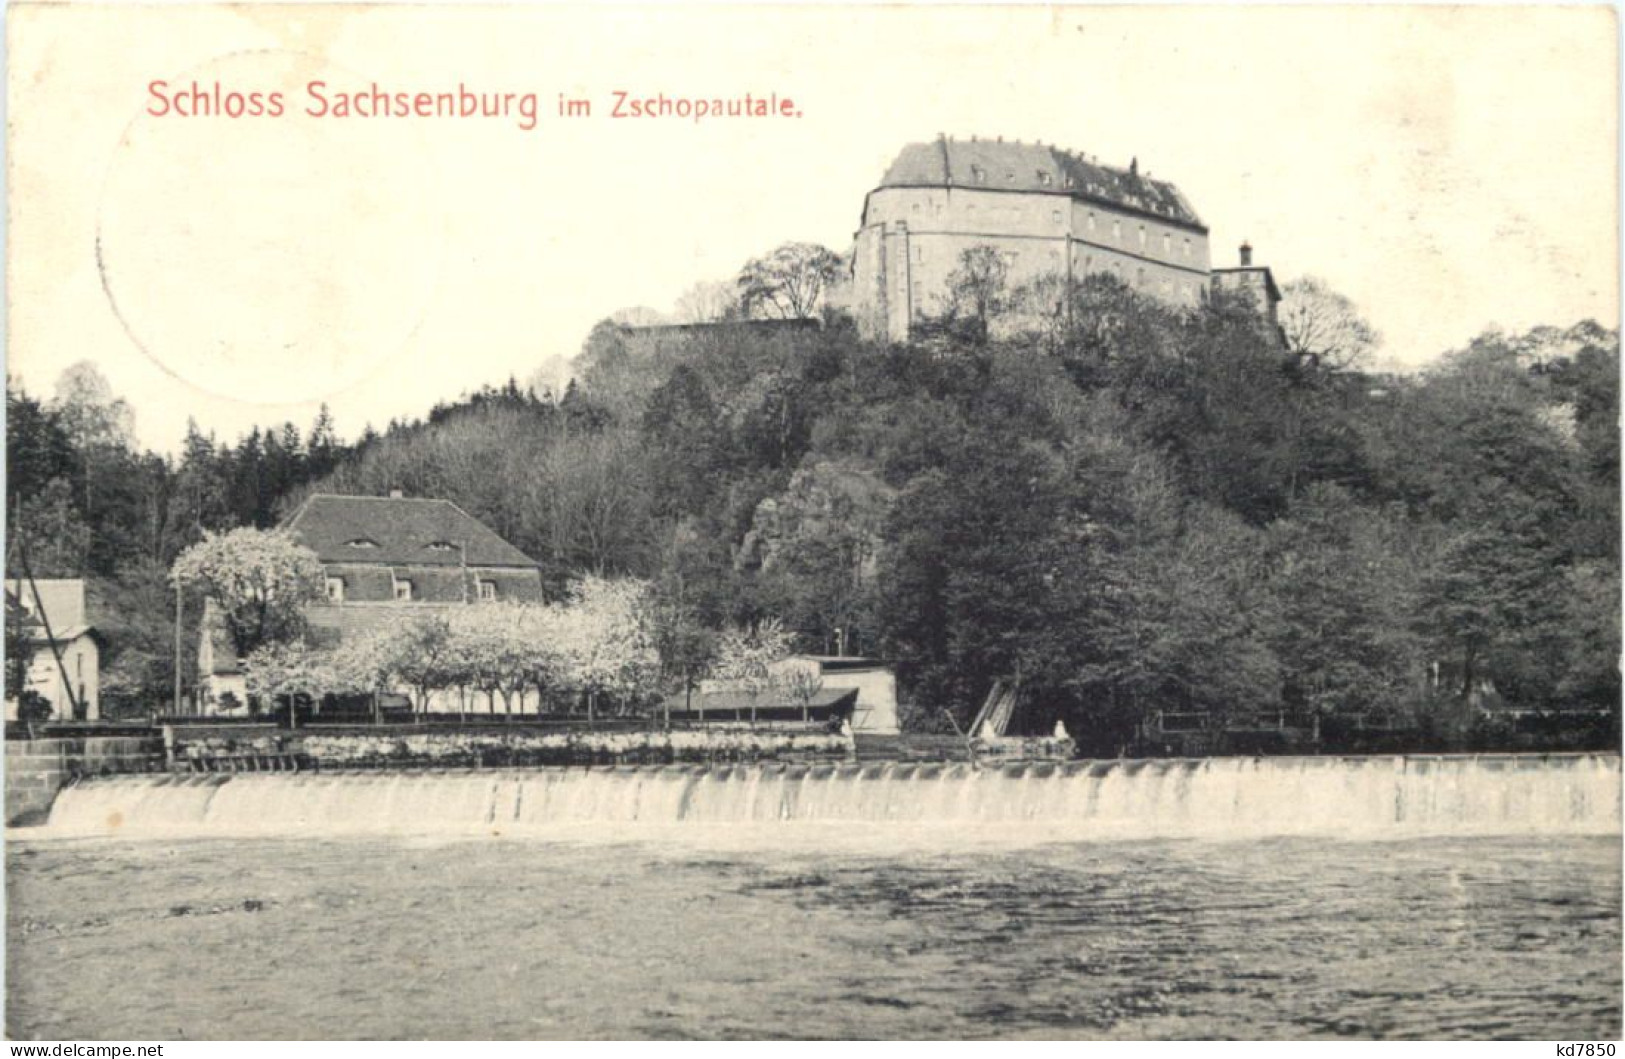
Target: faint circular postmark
[263, 258]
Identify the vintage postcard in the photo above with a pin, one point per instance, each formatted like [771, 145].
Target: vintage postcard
[840, 522]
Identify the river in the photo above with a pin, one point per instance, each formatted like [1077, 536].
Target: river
[948, 927]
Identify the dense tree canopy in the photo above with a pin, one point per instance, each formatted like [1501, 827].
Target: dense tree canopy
[1120, 506]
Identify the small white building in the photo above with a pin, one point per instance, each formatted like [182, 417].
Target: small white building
[222, 687]
[876, 682]
[77, 677]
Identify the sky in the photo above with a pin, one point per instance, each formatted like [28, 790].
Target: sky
[1449, 169]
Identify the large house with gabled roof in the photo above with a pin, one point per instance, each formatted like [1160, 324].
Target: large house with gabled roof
[385, 558]
[397, 549]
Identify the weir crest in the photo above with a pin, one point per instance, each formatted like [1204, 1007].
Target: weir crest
[1214, 797]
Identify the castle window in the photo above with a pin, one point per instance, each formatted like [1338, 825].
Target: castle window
[335, 590]
[1010, 177]
[1187, 248]
[1167, 243]
[919, 253]
[1117, 230]
[1139, 277]
[1055, 215]
[916, 207]
[1091, 220]
[488, 590]
[1142, 237]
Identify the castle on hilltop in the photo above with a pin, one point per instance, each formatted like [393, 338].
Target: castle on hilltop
[1047, 211]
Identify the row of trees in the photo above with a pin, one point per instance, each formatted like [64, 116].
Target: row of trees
[595, 647]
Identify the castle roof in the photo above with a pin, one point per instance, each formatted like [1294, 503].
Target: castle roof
[399, 531]
[997, 165]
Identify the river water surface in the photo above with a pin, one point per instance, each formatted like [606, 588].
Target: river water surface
[894, 932]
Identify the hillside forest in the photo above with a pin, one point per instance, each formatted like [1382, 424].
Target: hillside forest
[1119, 506]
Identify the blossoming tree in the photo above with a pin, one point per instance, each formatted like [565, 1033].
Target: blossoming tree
[260, 580]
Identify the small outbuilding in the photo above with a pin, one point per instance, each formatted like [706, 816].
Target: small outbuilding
[65, 666]
[875, 711]
[825, 706]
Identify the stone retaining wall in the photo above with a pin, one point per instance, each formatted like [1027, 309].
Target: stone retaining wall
[381, 748]
[37, 768]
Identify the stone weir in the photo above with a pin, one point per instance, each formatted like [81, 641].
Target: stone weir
[1214, 797]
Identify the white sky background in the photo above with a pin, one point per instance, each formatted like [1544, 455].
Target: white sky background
[1449, 169]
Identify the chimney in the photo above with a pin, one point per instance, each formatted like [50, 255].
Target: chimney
[1246, 254]
[396, 494]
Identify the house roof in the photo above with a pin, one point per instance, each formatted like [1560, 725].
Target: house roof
[63, 600]
[37, 637]
[822, 703]
[398, 530]
[996, 165]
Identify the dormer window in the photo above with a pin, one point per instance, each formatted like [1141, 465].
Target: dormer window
[361, 543]
[978, 175]
[403, 591]
[1044, 178]
[488, 591]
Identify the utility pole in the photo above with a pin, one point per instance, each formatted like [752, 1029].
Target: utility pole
[177, 707]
